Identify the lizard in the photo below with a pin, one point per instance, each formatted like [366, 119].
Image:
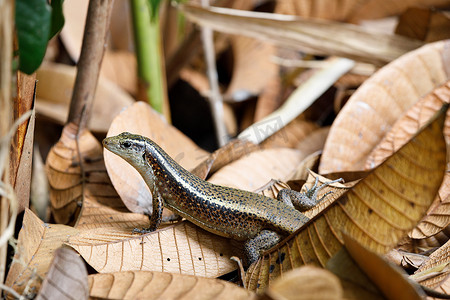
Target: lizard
[242, 215]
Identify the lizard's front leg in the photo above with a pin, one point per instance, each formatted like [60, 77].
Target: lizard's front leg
[155, 218]
[307, 200]
[263, 241]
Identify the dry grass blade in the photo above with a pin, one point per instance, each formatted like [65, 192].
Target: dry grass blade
[376, 212]
[72, 181]
[67, 277]
[378, 103]
[182, 248]
[313, 36]
[156, 285]
[35, 247]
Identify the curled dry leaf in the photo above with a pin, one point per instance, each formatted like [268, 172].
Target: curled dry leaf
[307, 282]
[182, 248]
[438, 215]
[157, 285]
[232, 151]
[253, 68]
[35, 247]
[55, 90]
[377, 104]
[256, 169]
[67, 277]
[72, 183]
[376, 212]
[141, 119]
[436, 270]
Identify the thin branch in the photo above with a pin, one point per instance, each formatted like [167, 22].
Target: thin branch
[94, 43]
[215, 98]
[6, 50]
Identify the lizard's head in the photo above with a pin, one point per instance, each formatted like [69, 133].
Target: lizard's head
[130, 147]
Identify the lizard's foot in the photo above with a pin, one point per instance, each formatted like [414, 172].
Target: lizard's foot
[143, 230]
[307, 200]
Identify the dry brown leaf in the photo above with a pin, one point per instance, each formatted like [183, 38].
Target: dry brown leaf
[438, 216]
[290, 135]
[141, 119]
[72, 183]
[256, 169]
[307, 282]
[424, 24]
[403, 129]
[270, 98]
[376, 212]
[97, 215]
[272, 188]
[55, 90]
[120, 67]
[21, 153]
[433, 273]
[378, 103]
[314, 141]
[351, 11]
[182, 248]
[389, 279]
[253, 68]
[156, 285]
[35, 247]
[22, 182]
[67, 277]
[355, 283]
[309, 163]
[409, 123]
[310, 35]
[444, 289]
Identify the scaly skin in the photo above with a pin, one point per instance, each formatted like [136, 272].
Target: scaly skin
[225, 211]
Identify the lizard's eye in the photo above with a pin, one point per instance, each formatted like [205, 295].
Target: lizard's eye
[126, 144]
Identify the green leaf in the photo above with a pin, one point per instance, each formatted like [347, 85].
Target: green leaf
[33, 28]
[57, 22]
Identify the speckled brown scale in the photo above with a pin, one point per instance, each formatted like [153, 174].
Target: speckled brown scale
[225, 211]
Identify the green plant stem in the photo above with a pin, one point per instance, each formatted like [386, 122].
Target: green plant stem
[149, 55]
